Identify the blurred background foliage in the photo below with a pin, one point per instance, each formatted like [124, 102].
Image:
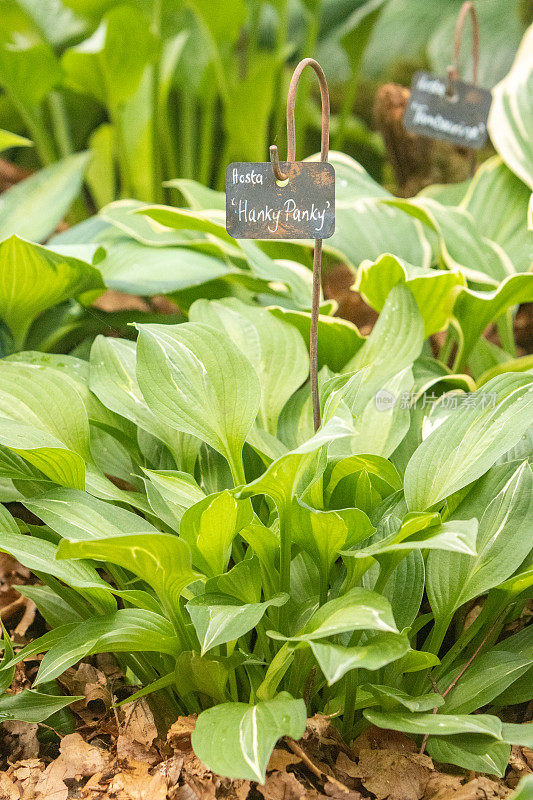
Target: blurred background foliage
[156, 89]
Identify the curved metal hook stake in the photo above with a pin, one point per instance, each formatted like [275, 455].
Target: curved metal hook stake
[281, 176]
[453, 70]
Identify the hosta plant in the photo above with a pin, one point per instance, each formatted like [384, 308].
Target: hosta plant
[254, 571]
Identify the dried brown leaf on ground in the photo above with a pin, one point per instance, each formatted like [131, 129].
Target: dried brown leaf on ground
[24, 776]
[90, 682]
[393, 774]
[77, 761]
[137, 733]
[20, 740]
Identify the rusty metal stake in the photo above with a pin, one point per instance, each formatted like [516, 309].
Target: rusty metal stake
[453, 70]
[280, 176]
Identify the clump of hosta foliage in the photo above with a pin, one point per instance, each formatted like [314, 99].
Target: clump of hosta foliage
[256, 572]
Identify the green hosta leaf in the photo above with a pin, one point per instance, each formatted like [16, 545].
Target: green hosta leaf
[34, 207]
[434, 290]
[365, 227]
[373, 465]
[160, 559]
[171, 493]
[39, 555]
[335, 660]
[137, 269]
[456, 536]
[209, 222]
[478, 753]
[323, 534]
[109, 66]
[29, 70]
[237, 739]
[461, 246]
[207, 674]
[275, 349]
[281, 479]
[6, 675]
[390, 698]
[218, 619]
[474, 310]
[502, 503]
[359, 609]
[489, 675]
[197, 381]
[80, 516]
[53, 608]
[518, 734]
[34, 279]
[130, 630]
[45, 421]
[495, 184]
[210, 527]
[114, 382]
[439, 724]
[338, 339]
[469, 441]
[511, 114]
[8, 140]
[33, 707]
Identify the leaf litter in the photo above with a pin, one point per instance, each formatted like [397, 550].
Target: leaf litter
[118, 753]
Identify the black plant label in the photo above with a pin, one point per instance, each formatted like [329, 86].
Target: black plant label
[260, 207]
[451, 110]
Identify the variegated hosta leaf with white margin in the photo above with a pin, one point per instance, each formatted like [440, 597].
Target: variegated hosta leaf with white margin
[128, 216]
[434, 290]
[338, 339]
[113, 380]
[461, 245]
[470, 440]
[364, 228]
[474, 310]
[494, 186]
[33, 278]
[503, 503]
[138, 269]
[197, 381]
[129, 630]
[511, 113]
[237, 739]
[211, 224]
[275, 349]
[45, 421]
[161, 559]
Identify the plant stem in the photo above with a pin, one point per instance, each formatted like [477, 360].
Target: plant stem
[285, 555]
[60, 124]
[125, 177]
[446, 349]
[237, 468]
[157, 188]
[505, 328]
[187, 135]
[38, 133]
[349, 704]
[207, 138]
